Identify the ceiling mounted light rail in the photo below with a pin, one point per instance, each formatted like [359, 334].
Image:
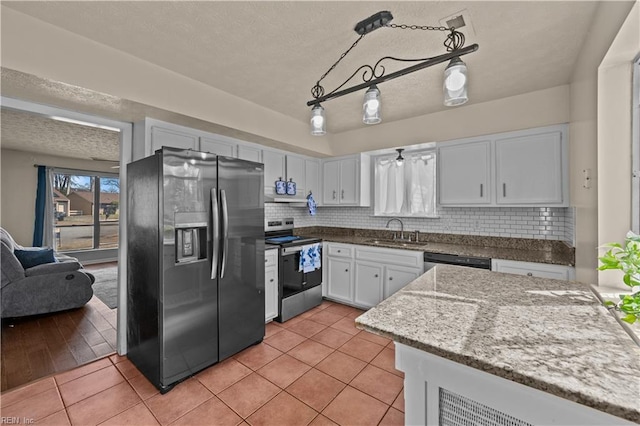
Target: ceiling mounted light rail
[455, 74]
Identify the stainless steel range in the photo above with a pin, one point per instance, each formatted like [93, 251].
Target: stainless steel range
[299, 283]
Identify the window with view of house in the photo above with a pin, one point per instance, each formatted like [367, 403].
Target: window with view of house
[407, 187]
[86, 210]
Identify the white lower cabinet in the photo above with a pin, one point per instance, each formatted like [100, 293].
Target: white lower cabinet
[368, 283]
[363, 276]
[270, 284]
[531, 269]
[339, 279]
[396, 277]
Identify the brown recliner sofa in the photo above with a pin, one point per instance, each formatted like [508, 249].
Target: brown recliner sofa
[41, 289]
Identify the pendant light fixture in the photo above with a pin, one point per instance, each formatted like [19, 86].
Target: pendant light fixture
[399, 158]
[455, 84]
[371, 106]
[318, 121]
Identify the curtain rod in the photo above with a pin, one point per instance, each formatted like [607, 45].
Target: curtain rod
[77, 171]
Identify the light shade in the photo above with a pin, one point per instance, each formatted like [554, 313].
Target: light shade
[455, 83]
[318, 122]
[400, 158]
[371, 106]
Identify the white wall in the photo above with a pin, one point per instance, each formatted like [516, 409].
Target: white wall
[615, 138]
[35, 47]
[536, 109]
[18, 183]
[583, 134]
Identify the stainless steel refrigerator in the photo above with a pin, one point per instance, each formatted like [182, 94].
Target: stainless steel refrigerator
[195, 285]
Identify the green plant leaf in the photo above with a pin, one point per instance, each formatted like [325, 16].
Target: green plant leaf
[608, 303]
[629, 318]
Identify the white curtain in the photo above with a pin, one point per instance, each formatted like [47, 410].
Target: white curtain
[48, 231]
[407, 189]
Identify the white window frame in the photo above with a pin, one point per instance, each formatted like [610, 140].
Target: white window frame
[635, 148]
[431, 150]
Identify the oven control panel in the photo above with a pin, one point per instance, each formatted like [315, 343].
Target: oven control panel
[278, 224]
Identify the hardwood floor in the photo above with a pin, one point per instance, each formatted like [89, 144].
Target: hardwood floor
[42, 345]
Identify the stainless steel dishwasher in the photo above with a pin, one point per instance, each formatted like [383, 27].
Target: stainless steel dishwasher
[432, 259]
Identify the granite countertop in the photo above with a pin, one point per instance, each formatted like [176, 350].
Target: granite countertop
[547, 334]
[520, 249]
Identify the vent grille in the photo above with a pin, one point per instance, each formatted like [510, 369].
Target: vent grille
[456, 410]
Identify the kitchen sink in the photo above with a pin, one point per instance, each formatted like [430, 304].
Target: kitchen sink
[402, 243]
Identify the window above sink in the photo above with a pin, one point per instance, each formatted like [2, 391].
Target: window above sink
[405, 184]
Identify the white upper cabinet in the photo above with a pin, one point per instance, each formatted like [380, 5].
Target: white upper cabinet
[312, 179]
[171, 138]
[250, 153]
[465, 173]
[279, 164]
[296, 172]
[274, 169]
[150, 135]
[529, 169]
[524, 168]
[218, 146]
[347, 181]
[331, 182]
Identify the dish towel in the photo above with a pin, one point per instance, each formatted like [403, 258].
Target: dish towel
[310, 258]
[311, 203]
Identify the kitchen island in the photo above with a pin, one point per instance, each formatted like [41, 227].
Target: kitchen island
[508, 349]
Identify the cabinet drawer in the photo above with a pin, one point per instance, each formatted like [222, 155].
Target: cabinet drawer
[390, 256]
[270, 258]
[531, 269]
[339, 250]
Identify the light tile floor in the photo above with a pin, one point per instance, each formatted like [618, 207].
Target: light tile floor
[315, 369]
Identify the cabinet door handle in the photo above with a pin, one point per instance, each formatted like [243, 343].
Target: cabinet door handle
[339, 251]
[504, 190]
[376, 275]
[343, 194]
[390, 278]
[266, 260]
[481, 191]
[271, 280]
[529, 274]
[334, 194]
[346, 270]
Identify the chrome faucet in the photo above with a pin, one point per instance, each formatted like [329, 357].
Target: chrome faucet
[401, 227]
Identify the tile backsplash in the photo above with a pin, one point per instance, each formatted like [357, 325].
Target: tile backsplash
[550, 223]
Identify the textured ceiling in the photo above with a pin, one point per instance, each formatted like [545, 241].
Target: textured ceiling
[27, 87]
[24, 131]
[271, 53]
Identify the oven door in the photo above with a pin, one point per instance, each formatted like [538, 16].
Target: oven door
[292, 279]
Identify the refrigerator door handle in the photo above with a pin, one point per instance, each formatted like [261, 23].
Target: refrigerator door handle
[215, 241]
[225, 231]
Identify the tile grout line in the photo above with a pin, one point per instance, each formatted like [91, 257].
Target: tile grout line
[280, 328]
